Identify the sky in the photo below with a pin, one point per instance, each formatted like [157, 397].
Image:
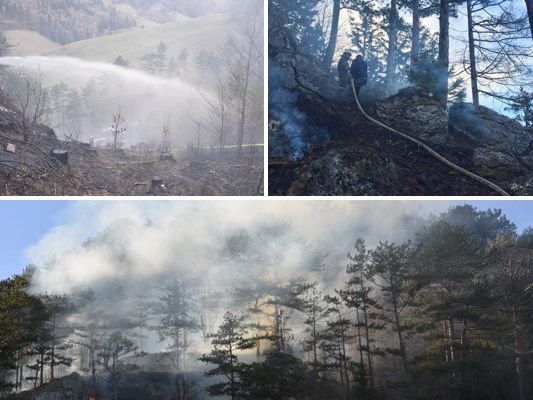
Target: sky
[28, 223]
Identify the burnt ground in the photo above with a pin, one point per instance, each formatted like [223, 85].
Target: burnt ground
[31, 171]
[361, 158]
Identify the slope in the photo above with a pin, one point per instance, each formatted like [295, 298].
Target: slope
[194, 34]
[26, 43]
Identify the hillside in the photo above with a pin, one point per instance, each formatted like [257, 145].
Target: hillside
[321, 144]
[63, 21]
[194, 34]
[25, 42]
[33, 161]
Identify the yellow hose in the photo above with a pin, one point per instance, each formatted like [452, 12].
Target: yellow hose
[450, 164]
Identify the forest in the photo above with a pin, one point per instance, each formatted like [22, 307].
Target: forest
[438, 71]
[401, 50]
[443, 312]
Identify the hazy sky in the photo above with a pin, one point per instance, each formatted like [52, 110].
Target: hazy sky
[28, 223]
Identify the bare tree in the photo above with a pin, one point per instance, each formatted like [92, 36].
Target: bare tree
[497, 54]
[30, 96]
[117, 127]
[218, 110]
[246, 63]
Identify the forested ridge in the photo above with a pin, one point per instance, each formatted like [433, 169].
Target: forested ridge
[446, 314]
[64, 21]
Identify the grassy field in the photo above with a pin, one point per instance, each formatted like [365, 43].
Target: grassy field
[194, 34]
[29, 43]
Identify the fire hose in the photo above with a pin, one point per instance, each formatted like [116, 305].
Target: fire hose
[436, 155]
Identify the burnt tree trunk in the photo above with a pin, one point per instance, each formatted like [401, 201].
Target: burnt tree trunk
[472, 56]
[391, 52]
[444, 50]
[415, 34]
[529, 6]
[332, 43]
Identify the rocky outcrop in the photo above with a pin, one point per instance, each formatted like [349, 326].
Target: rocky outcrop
[495, 164]
[489, 128]
[421, 117]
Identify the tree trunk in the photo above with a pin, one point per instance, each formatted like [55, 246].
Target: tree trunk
[52, 363]
[415, 34]
[359, 340]
[472, 56]
[518, 357]
[367, 337]
[114, 379]
[41, 369]
[344, 363]
[399, 330]
[332, 43]
[17, 369]
[444, 51]
[529, 6]
[391, 52]
[232, 374]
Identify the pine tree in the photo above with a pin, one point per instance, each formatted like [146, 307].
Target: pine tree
[335, 339]
[114, 348]
[177, 322]
[389, 270]
[230, 338]
[357, 295]
[314, 311]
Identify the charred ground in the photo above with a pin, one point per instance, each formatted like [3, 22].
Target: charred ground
[343, 153]
[27, 166]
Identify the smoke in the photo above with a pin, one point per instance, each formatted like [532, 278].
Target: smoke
[126, 253]
[140, 241]
[298, 133]
[147, 101]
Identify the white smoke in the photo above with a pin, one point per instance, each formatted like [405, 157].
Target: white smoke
[143, 241]
[148, 101]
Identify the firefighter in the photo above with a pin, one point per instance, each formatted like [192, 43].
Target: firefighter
[344, 70]
[359, 72]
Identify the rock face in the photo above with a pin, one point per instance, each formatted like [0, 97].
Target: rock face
[495, 164]
[488, 128]
[418, 116]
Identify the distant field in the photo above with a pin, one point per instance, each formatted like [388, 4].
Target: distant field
[29, 43]
[194, 34]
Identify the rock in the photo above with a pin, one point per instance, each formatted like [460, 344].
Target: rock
[167, 157]
[421, 117]
[45, 131]
[157, 184]
[91, 152]
[487, 127]
[11, 148]
[60, 155]
[495, 164]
